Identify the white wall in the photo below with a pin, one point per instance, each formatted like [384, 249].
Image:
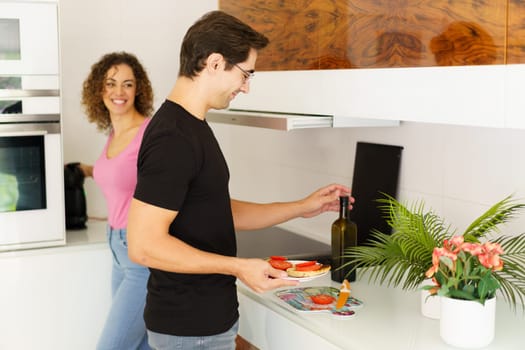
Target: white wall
[152, 30]
[458, 171]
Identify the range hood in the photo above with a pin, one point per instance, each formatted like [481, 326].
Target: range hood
[291, 121]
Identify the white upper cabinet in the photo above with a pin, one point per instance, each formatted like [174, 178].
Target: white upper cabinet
[464, 95]
[515, 96]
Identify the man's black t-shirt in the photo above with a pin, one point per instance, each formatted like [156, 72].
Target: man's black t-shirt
[181, 167]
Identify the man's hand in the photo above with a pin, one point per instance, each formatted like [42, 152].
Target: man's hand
[260, 276]
[325, 199]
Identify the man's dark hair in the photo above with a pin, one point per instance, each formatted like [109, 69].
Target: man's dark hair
[217, 32]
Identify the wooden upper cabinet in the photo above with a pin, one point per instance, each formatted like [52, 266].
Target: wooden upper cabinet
[341, 34]
[516, 34]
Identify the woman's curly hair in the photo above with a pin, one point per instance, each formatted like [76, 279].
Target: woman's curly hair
[93, 88]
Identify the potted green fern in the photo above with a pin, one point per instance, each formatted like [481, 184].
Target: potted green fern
[403, 257]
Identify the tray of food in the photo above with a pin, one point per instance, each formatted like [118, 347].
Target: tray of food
[338, 302]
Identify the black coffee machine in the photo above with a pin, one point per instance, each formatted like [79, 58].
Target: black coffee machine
[76, 213]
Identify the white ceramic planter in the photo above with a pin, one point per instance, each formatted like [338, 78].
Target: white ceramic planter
[467, 324]
[430, 305]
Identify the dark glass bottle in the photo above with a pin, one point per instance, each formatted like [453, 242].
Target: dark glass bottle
[344, 234]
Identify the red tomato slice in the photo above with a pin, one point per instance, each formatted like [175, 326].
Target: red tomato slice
[307, 263]
[280, 264]
[314, 267]
[322, 299]
[277, 257]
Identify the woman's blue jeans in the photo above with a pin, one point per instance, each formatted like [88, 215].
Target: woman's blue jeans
[125, 328]
[223, 341]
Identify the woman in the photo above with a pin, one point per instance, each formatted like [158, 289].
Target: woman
[117, 97]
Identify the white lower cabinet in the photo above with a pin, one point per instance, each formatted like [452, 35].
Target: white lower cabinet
[54, 299]
[267, 330]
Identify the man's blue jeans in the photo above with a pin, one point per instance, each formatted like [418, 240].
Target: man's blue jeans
[223, 341]
[125, 328]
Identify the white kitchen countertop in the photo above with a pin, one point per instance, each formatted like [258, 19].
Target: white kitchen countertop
[94, 233]
[390, 319]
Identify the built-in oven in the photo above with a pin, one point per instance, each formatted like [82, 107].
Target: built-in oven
[32, 211]
[31, 186]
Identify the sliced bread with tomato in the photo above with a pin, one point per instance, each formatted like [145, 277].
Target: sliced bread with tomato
[307, 269]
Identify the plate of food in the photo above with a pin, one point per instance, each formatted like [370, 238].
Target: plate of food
[299, 270]
[319, 299]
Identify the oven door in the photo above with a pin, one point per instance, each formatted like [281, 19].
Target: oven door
[29, 38]
[31, 186]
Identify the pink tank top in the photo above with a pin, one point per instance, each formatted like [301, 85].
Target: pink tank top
[117, 177]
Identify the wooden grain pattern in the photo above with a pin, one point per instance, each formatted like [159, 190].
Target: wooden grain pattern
[293, 30]
[464, 43]
[516, 33]
[332, 34]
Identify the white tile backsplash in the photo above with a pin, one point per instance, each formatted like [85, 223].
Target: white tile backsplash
[457, 171]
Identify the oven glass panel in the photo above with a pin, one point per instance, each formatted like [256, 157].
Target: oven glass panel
[22, 173]
[9, 39]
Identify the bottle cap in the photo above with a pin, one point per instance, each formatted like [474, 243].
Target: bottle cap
[343, 199]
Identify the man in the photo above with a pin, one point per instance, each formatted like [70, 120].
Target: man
[182, 220]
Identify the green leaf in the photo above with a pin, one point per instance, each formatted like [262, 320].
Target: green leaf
[460, 294]
[483, 288]
[452, 282]
[459, 269]
[512, 277]
[488, 222]
[445, 260]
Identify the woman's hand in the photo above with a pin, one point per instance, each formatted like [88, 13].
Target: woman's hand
[87, 170]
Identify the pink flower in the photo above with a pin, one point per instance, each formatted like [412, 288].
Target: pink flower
[457, 241]
[434, 290]
[445, 252]
[431, 271]
[490, 258]
[494, 248]
[493, 262]
[472, 248]
[436, 253]
[436, 258]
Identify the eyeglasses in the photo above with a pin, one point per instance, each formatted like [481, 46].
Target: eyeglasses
[248, 74]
